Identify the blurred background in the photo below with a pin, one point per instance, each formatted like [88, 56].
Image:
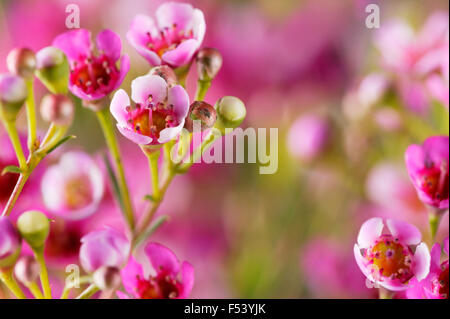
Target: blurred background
[345, 115]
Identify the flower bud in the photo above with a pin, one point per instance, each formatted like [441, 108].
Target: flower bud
[34, 227]
[166, 73]
[57, 108]
[21, 62]
[230, 113]
[203, 112]
[13, 93]
[209, 62]
[52, 68]
[107, 278]
[27, 269]
[10, 243]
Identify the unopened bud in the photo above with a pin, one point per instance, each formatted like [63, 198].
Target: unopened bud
[21, 62]
[27, 269]
[231, 112]
[209, 62]
[107, 278]
[34, 227]
[166, 73]
[57, 108]
[10, 243]
[203, 112]
[52, 68]
[13, 93]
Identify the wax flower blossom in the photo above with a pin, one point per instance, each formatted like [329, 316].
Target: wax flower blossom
[394, 258]
[73, 188]
[93, 76]
[428, 168]
[165, 283]
[105, 247]
[158, 115]
[173, 39]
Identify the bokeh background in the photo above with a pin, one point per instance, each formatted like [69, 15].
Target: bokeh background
[286, 235]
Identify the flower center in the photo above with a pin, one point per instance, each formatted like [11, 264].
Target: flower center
[162, 286]
[63, 240]
[441, 284]
[7, 182]
[390, 259]
[94, 74]
[435, 181]
[78, 192]
[168, 39]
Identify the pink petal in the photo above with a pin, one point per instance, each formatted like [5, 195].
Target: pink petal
[179, 98]
[435, 258]
[446, 245]
[405, 232]
[170, 133]
[199, 27]
[109, 42]
[76, 44]
[362, 263]
[187, 275]
[162, 257]
[172, 13]
[182, 54]
[83, 96]
[119, 103]
[144, 86]
[122, 295]
[394, 285]
[421, 262]
[415, 159]
[133, 136]
[124, 68]
[138, 37]
[370, 231]
[436, 149]
[130, 274]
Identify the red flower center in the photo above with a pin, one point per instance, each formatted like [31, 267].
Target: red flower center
[434, 181]
[390, 259]
[162, 286]
[95, 74]
[168, 39]
[63, 240]
[441, 286]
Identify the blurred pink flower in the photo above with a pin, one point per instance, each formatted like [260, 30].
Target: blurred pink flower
[106, 247]
[428, 168]
[165, 283]
[174, 38]
[388, 259]
[92, 76]
[158, 115]
[73, 188]
[10, 240]
[308, 136]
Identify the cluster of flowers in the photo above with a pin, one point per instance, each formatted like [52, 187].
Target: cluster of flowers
[73, 188]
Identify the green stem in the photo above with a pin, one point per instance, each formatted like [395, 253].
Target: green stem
[15, 194]
[31, 116]
[384, 293]
[202, 89]
[196, 154]
[45, 283]
[108, 130]
[7, 278]
[35, 290]
[14, 137]
[434, 220]
[68, 288]
[88, 292]
[153, 165]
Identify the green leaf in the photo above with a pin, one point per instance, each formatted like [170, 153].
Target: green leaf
[150, 198]
[11, 169]
[115, 184]
[151, 230]
[60, 142]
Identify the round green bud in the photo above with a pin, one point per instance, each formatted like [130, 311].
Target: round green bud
[231, 112]
[34, 227]
[13, 93]
[52, 68]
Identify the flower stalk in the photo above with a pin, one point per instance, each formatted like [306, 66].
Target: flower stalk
[31, 117]
[6, 276]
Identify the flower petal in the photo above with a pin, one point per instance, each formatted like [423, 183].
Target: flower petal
[182, 54]
[130, 275]
[370, 231]
[405, 232]
[133, 136]
[76, 44]
[199, 26]
[119, 103]
[124, 68]
[162, 257]
[179, 98]
[170, 133]
[138, 37]
[187, 277]
[435, 257]
[173, 13]
[361, 262]
[109, 42]
[421, 263]
[144, 86]
[446, 245]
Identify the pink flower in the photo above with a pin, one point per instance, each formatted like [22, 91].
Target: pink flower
[427, 166]
[391, 259]
[73, 188]
[173, 39]
[308, 136]
[10, 241]
[158, 115]
[93, 76]
[106, 247]
[172, 279]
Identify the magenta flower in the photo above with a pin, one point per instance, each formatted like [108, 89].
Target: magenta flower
[173, 39]
[10, 241]
[106, 247]
[73, 188]
[427, 166]
[93, 76]
[158, 115]
[172, 279]
[391, 259]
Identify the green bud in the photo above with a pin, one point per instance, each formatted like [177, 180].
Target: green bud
[209, 62]
[203, 112]
[231, 112]
[52, 68]
[34, 227]
[13, 93]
